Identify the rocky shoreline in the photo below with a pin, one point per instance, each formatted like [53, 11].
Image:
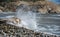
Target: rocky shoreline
[7, 30]
[43, 7]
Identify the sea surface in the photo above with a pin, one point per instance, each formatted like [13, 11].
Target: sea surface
[47, 23]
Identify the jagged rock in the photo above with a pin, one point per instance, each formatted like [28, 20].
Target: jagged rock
[8, 6]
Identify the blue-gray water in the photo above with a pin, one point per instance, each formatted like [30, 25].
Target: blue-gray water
[7, 14]
[49, 23]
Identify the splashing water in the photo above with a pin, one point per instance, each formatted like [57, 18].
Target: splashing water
[40, 23]
[28, 19]
[37, 22]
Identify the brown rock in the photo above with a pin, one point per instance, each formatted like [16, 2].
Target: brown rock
[1, 9]
[58, 9]
[18, 3]
[13, 20]
[43, 10]
[47, 7]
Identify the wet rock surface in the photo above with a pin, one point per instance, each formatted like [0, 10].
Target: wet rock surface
[7, 30]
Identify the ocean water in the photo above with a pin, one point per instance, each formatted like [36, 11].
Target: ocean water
[47, 23]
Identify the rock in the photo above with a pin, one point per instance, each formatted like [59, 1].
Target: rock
[54, 8]
[24, 3]
[38, 6]
[12, 6]
[47, 7]
[1, 9]
[43, 11]
[12, 20]
[58, 9]
[41, 7]
[25, 6]
[8, 6]
[11, 30]
[2, 21]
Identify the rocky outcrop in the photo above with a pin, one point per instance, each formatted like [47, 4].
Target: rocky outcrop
[11, 6]
[47, 7]
[38, 6]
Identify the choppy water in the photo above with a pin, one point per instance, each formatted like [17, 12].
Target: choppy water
[49, 23]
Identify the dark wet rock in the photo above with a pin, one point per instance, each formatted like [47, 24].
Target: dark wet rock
[9, 30]
[2, 21]
[18, 35]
